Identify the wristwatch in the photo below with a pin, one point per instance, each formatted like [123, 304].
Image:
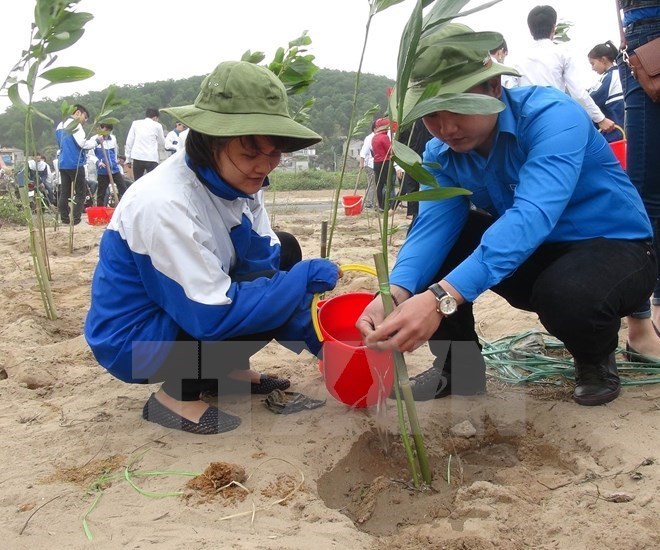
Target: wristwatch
[445, 303]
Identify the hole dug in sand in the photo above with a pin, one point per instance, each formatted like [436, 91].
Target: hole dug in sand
[374, 489]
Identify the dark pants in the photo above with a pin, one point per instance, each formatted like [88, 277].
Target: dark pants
[580, 290]
[643, 137]
[381, 171]
[72, 179]
[193, 366]
[410, 185]
[104, 183]
[141, 167]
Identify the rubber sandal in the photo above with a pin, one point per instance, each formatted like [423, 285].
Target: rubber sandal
[287, 402]
[634, 356]
[213, 421]
[267, 383]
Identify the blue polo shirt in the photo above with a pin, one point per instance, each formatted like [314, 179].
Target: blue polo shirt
[550, 177]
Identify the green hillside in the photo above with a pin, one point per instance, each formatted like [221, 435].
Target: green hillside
[329, 116]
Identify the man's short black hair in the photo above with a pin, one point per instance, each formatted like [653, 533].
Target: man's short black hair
[151, 112]
[541, 21]
[78, 107]
[502, 46]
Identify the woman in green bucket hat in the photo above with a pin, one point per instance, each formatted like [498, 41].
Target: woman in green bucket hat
[191, 279]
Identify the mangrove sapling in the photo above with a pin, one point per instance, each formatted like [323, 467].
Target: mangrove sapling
[56, 27]
[441, 12]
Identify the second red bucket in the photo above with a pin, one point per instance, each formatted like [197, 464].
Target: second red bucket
[354, 374]
[352, 204]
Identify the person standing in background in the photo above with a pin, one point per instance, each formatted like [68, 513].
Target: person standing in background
[416, 137]
[367, 163]
[640, 23]
[172, 138]
[608, 94]
[143, 142]
[107, 164]
[71, 163]
[548, 64]
[381, 147]
[499, 54]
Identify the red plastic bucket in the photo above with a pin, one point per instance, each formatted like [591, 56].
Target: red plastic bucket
[619, 149]
[99, 215]
[354, 374]
[352, 204]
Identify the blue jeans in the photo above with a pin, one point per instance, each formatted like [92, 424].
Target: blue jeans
[580, 290]
[642, 125]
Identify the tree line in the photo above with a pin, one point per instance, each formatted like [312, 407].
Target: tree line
[333, 91]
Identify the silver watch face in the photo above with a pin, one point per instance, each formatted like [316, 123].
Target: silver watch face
[447, 305]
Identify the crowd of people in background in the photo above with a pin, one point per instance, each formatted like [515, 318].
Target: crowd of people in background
[90, 171]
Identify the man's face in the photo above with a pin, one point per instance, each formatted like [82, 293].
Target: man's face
[463, 133]
[80, 116]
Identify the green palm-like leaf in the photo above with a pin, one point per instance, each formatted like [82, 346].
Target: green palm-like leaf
[60, 75]
[63, 40]
[438, 194]
[405, 154]
[364, 124]
[41, 115]
[72, 21]
[302, 40]
[253, 57]
[108, 120]
[15, 98]
[407, 54]
[382, 5]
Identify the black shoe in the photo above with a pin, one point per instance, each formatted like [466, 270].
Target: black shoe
[433, 383]
[213, 421]
[596, 384]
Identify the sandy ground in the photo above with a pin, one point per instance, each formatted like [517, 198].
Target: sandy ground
[521, 467]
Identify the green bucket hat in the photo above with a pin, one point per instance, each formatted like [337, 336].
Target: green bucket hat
[241, 99]
[448, 60]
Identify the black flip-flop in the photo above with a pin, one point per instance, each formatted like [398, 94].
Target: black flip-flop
[267, 383]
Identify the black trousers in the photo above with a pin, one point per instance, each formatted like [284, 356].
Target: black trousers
[141, 167]
[580, 290]
[104, 184]
[72, 187]
[193, 366]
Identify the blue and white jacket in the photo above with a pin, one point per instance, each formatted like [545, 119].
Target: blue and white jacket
[111, 148]
[72, 145]
[608, 95]
[168, 260]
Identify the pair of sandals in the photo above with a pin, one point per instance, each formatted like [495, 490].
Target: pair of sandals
[213, 421]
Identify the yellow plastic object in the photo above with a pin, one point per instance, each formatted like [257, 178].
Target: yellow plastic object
[315, 310]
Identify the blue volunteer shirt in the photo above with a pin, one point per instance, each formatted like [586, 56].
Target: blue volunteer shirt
[550, 177]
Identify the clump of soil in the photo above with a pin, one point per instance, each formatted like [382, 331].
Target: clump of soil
[88, 472]
[220, 479]
[280, 488]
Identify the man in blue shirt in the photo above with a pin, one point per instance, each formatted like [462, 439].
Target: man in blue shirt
[73, 146]
[553, 225]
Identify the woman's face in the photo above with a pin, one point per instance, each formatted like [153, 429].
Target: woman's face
[599, 64]
[244, 163]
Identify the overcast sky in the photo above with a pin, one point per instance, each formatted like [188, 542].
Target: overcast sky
[136, 41]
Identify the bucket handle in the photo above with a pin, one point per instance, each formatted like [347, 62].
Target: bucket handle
[314, 308]
[617, 127]
[359, 201]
